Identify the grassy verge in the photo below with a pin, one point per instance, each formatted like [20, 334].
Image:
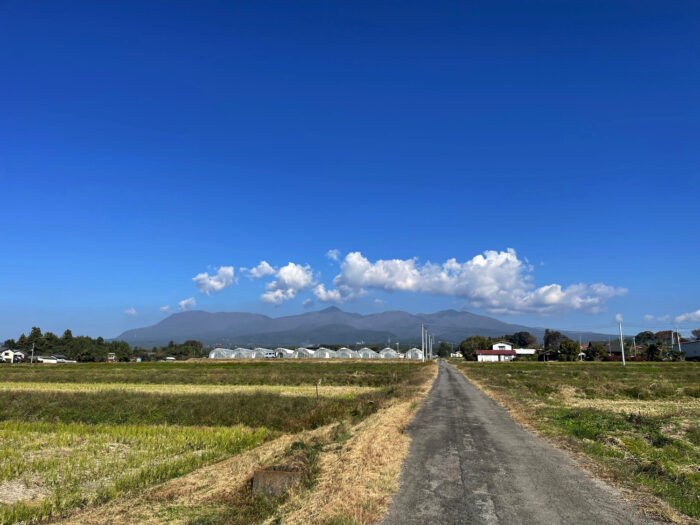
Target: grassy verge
[640, 424]
[69, 441]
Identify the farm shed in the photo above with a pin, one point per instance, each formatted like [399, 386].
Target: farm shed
[414, 353]
[346, 353]
[388, 353]
[305, 353]
[285, 353]
[325, 353]
[367, 353]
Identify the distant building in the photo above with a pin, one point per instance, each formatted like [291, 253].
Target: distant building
[12, 356]
[690, 349]
[502, 345]
[495, 355]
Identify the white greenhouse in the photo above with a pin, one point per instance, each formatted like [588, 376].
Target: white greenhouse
[388, 353]
[305, 353]
[258, 353]
[325, 353]
[414, 353]
[221, 353]
[285, 353]
[367, 353]
[346, 353]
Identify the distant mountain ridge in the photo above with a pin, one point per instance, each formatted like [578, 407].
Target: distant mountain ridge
[329, 326]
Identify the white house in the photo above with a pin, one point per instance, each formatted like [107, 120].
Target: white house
[502, 345]
[500, 351]
[524, 351]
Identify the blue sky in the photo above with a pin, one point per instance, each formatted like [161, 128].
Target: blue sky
[143, 144]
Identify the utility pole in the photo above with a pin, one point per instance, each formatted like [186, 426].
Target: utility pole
[678, 338]
[634, 345]
[622, 344]
[422, 341]
[32, 359]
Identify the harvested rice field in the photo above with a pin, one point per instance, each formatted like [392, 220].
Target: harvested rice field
[78, 441]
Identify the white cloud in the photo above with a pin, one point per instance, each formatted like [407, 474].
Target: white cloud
[289, 281]
[186, 304]
[308, 303]
[261, 270]
[327, 296]
[378, 302]
[664, 318]
[618, 318]
[130, 311]
[648, 318]
[496, 281]
[690, 316]
[214, 283]
[333, 255]
[165, 308]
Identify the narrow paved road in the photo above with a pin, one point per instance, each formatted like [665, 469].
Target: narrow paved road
[469, 462]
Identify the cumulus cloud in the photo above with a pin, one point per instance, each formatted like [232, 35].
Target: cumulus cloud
[648, 318]
[214, 283]
[308, 303]
[261, 270]
[327, 296]
[690, 316]
[664, 318]
[496, 280]
[130, 311]
[186, 304]
[289, 281]
[333, 255]
[618, 318]
[165, 309]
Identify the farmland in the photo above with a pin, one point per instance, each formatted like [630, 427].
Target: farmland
[639, 424]
[79, 436]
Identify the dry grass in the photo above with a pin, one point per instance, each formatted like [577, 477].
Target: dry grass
[201, 487]
[146, 388]
[356, 480]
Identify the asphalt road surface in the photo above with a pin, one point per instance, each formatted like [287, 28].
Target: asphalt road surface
[469, 462]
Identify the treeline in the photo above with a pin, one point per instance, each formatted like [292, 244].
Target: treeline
[648, 346]
[87, 349]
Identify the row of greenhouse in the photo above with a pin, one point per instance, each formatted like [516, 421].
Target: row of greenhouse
[307, 353]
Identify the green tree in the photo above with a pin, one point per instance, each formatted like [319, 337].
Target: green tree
[10, 343]
[696, 333]
[654, 352]
[67, 337]
[522, 339]
[645, 338]
[595, 352]
[552, 339]
[444, 349]
[470, 345]
[569, 351]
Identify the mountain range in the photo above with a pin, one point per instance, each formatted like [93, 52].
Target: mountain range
[328, 326]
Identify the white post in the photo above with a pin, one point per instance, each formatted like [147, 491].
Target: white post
[422, 341]
[32, 360]
[678, 338]
[622, 345]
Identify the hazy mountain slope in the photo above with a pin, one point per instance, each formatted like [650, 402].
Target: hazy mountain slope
[328, 326]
